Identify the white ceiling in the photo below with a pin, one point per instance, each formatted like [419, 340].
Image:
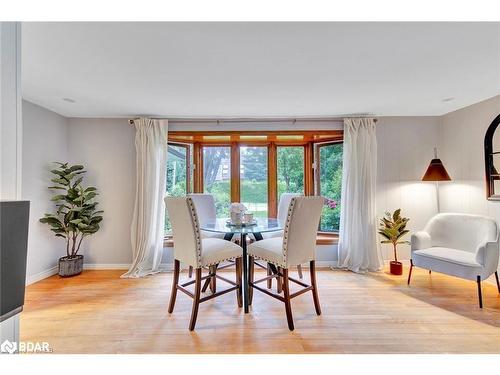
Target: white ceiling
[259, 69]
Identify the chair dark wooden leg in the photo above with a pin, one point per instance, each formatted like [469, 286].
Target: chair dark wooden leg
[269, 273]
[196, 299]
[299, 271]
[239, 281]
[312, 270]
[251, 269]
[206, 284]
[498, 282]
[479, 293]
[279, 281]
[286, 294]
[409, 274]
[213, 281]
[190, 271]
[175, 282]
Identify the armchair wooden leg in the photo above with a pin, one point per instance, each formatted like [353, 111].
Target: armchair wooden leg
[299, 271]
[312, 270]
[251, 269]
[409, 274]
[175, 282]
[479, 293]
[269, 273]
[190, 271]
[498, 282]
[279, 281]
[286, 293]
[239, 282]
[196, 300]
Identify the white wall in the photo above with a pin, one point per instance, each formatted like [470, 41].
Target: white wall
[106, 148]
[45, 136]
[405, 148]
[462, 152]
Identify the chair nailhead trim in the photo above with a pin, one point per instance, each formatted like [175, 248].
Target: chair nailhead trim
[194, 219]
[287, 227]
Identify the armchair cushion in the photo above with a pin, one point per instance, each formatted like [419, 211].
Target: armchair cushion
[461, 257]
[449, 261]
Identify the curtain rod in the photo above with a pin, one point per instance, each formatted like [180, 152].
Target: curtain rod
[252, 119]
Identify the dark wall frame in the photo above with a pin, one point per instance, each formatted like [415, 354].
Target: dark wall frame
[490, 171]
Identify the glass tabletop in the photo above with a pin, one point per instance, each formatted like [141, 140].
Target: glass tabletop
[263, 225]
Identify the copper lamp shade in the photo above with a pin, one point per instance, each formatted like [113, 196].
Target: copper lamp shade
[436, 172]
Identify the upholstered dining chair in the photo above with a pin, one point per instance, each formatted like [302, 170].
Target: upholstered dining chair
[207, 212]
[283, 204]
[191, 249]
[297, 246]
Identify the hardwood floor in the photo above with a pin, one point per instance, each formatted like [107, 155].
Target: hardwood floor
[97, 312]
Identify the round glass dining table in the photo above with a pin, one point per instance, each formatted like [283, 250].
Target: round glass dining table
[262, 225]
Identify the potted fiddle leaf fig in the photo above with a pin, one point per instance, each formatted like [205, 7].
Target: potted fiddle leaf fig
[76, 216]
[393, 229]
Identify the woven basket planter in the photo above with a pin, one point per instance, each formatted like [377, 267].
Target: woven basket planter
[70, 266]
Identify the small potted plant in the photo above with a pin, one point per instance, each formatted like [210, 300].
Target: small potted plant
[393, 229]
[76, 216]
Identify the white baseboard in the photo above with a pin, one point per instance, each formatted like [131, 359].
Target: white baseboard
[326, 263]
[106, 266]
[42, 275]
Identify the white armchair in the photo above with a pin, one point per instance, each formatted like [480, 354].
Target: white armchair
[461, 245]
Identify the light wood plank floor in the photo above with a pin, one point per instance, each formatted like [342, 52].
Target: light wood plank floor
[97, 312]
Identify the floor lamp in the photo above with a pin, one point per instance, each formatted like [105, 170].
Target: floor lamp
[436, 172]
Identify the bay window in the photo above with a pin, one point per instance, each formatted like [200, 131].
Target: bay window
[256, 168]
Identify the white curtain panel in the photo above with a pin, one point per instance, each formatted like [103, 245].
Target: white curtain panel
[358, 250]
[149, 209]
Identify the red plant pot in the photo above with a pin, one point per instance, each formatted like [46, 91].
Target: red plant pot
[396, 268]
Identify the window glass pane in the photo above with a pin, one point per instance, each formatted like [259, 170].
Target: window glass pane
[290, 170]
[176, 175]
[253, 177]
[330, 183]
[217, 177]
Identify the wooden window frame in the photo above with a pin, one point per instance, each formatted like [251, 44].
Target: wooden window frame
[309, 141]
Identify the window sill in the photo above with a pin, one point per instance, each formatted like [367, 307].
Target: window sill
[321, 239]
